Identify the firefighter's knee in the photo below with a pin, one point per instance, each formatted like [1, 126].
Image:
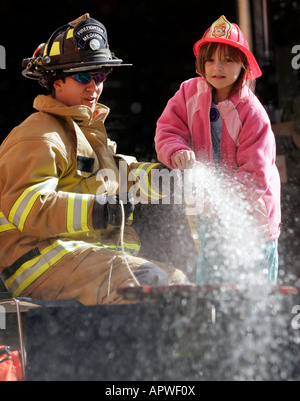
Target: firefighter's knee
[151, 274]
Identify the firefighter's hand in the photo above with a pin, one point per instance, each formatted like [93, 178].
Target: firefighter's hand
[184, 159]
[114, 208]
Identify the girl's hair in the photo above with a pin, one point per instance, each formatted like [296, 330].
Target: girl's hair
[232, 52]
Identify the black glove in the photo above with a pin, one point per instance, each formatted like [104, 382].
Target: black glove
[107, 210]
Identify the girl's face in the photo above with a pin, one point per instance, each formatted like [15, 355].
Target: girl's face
[221, 72]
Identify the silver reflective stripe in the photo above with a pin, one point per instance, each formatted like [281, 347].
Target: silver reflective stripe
[78, 212]
[34, 268]
[5, 225]
[22, 207]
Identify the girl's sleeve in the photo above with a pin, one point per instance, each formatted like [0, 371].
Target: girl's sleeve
[172, 132]
[256, 153]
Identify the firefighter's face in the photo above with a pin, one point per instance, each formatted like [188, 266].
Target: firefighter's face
[73, 93]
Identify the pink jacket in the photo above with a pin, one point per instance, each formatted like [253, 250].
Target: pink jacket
[247, 145]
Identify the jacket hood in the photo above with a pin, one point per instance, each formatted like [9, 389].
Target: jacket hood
[81, 114]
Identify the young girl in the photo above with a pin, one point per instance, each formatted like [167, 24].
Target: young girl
[217, 118]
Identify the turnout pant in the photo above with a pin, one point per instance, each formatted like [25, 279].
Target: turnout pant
[88, 275]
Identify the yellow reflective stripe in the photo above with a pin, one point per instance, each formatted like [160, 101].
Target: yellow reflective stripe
[137, 172]
[152, 192]
[22, 207]
[149, 191]
[24, 267]
[5, 225]
[131, 248]
[70, 33]
[128, 246]
[39, 272]
[55, 50]
[35, 267]
[29, 206]
[78, 212]
[140, 167]
[85, 212]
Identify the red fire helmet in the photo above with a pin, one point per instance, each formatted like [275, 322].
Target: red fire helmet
[222, 31]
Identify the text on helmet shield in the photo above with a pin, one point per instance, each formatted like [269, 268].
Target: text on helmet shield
[87, 28]
[88, 32]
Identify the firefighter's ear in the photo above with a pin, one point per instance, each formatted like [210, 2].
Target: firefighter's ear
[57, 85]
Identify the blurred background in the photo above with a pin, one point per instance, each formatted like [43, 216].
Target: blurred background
[157, 37]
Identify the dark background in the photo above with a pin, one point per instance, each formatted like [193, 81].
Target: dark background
[157, 37]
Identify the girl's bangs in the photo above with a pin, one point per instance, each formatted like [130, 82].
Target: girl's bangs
[223, 51]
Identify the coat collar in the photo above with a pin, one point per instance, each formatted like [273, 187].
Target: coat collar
[81, 114]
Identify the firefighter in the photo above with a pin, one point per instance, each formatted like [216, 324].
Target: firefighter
[66, 213]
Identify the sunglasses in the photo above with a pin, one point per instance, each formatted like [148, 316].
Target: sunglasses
[85, 78]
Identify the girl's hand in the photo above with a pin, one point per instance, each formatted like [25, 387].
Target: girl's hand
[184, 159]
